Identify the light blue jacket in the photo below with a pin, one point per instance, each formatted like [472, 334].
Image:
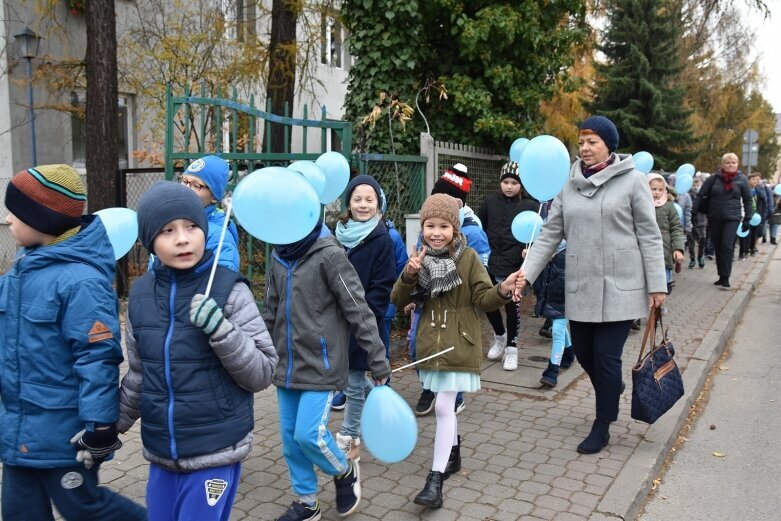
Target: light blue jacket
[59, 348]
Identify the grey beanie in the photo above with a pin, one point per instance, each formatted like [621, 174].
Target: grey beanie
[164, 202]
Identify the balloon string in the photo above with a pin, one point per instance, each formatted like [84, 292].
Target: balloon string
[424, 359]
[219, 245]
[534, 232]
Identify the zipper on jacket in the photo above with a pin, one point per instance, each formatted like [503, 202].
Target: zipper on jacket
[325, 353]
[288, 284]
[168, 337]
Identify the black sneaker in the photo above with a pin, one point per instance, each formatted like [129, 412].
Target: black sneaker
[348, 490]
[636, 325]
[460, 405]
[425, 403]
[547, 329]
[301, 512]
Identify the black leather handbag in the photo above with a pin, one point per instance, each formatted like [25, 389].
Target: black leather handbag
[656, 379]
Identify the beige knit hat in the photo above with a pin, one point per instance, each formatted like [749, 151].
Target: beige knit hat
[442, 206]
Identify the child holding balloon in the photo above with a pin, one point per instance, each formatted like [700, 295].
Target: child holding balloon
[497, 213]
[198, 350]
[669, 224]
[369, 248]
[448, 281]
[314, 302]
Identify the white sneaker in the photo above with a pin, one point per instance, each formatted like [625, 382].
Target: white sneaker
[497, 348]
[510, 360]
[350, 446]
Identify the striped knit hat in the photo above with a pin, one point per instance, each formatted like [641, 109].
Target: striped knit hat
[48, 198]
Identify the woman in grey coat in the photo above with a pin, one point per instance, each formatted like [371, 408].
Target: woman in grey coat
[615, 262]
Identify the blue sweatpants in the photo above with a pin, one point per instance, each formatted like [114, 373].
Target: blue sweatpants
[306, 441]
[203, 495]
[28, 495]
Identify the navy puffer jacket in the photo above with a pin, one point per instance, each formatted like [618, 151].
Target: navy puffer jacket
[549, 288]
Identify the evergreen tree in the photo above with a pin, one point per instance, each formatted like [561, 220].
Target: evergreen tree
[637, 86]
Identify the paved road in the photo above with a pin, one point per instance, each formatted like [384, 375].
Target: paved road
[745, 409]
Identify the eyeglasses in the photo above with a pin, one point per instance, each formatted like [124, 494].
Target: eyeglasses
[192, 184]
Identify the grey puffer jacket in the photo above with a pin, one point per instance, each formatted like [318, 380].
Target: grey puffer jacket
[313, 304]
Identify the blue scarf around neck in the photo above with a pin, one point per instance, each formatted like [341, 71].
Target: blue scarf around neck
[351, 233]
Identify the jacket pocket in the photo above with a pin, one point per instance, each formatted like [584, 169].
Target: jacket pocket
[571, 275]
[221, 385]
[628, 272]
[49, 397]
[324, 352]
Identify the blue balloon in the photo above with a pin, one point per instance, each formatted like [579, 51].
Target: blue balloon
[121, 226]
[388, 426]
[526, 226]
[686, 169]
[777, 190]
[679, 210]
[313, 173]
[643, 162]
[755, 219]
[276, 205]
[337, 175]
[741, 232]
[544, 167]
[516, 148]
[683, 183]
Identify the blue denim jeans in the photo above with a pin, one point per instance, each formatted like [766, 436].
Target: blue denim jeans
[357, 387]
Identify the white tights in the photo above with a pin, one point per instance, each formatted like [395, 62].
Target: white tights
[446, 436]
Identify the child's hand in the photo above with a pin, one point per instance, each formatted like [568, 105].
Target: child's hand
[95, 446]
[677, 255]
[207, 315]
[509, 286]
[409, 308]
[523, 253]
[415, 262]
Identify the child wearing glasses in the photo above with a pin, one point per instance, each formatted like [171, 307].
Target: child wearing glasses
[208, 178]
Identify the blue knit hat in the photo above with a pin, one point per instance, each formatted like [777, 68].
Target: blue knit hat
[604, 128]
[164, 202]
[213, 171]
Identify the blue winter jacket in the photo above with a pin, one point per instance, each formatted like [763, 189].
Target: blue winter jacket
[374, 262]
[400, 254]
[476, 239]
[59, 348]
[229, 254]
[549, 288]
[190, 405]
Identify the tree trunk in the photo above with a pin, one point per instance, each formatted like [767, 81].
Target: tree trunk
[102, 96]
[282, 65]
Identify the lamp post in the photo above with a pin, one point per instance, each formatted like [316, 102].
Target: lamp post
[27, 44]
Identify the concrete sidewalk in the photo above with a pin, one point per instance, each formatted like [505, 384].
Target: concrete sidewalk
[518, 448]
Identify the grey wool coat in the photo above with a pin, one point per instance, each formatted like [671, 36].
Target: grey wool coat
[614, 248]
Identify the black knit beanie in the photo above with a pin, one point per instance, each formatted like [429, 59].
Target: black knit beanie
[164, 202]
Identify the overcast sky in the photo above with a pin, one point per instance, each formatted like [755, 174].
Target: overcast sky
[768, 46]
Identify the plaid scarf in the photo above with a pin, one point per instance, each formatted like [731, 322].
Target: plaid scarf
[438, 273]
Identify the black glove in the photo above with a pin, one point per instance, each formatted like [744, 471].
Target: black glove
[96, 445]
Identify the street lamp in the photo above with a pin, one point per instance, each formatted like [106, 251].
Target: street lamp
[27, 45]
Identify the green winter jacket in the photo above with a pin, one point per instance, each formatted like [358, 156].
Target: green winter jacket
[451, 319]
[672, 231]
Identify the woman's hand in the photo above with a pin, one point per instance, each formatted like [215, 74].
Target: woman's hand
[513, 285]
[677, 255]
[415, 263]
[656, 300]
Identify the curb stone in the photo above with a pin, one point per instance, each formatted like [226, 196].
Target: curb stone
[626, 496]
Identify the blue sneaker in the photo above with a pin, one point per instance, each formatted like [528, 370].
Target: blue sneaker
[301, 512]
[339, 401]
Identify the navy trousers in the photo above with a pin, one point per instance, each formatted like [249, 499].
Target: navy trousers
[598, 348]
[28, 494]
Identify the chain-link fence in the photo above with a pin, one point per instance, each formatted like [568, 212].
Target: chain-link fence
[483, 172]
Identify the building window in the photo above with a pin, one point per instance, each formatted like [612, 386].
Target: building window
[79, 133]
[246, 18]
[332, 47]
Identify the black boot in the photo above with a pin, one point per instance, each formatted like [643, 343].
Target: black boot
[550, 376]
[454, 461]
[547, 329]
[597, 439]
[431, 495]
[568, 357]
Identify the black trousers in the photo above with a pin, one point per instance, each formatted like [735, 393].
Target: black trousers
[598, 348]
[513, 312]
[723, 234]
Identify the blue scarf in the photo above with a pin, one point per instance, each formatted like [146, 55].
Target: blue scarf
[351, 233]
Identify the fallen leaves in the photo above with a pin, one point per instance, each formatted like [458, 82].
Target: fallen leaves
[719, 454]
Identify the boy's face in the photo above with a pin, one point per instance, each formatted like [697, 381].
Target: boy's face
[510, 187]
[753, 181]
[201, 190]
[180, 244]
[25, 235]
[437, 232]
[696, 184]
